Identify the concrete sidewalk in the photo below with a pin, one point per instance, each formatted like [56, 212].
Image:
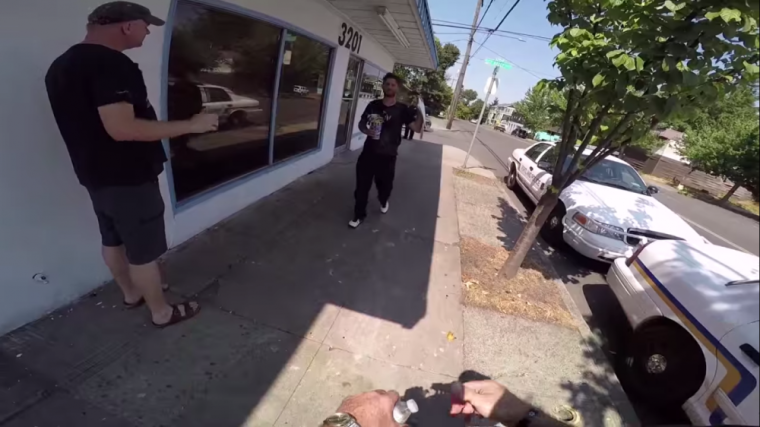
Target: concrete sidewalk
[299, 312]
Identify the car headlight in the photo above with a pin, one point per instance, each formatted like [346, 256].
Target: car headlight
[606, 230]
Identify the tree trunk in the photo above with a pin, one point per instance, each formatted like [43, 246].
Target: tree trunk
[728, 195]
[528, 236]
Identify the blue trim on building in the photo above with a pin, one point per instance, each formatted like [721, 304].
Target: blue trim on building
[427, 28]
[164, 99]
[276, 93]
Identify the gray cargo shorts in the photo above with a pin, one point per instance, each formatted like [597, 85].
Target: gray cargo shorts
[132, 216]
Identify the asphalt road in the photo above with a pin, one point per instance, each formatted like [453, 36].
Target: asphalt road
[585, 278]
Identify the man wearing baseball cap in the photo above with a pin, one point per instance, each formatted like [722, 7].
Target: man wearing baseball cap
[100, 103]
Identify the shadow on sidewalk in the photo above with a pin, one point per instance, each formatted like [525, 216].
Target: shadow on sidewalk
[281, 270]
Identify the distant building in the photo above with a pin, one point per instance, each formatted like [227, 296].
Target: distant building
[672, 141]
[500, 113]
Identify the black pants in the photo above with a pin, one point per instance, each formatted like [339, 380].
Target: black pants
[409, 134]
[377, 167]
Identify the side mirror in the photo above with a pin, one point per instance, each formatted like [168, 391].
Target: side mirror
[653, 189]
[545, 166]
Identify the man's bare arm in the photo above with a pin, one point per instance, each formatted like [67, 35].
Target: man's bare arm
[121, 124]
[416, 125]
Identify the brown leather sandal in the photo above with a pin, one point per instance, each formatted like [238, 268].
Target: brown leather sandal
[177, 315]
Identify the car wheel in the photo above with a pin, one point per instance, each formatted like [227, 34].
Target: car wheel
[238, 118]
[663, 364]
[554, 228]
[511, 179]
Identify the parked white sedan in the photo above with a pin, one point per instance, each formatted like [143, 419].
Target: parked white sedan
[605, 213]
[695, 311]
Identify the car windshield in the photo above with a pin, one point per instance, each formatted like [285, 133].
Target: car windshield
[612, 174]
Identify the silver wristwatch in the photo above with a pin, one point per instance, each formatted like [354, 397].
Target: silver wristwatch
[340, 420]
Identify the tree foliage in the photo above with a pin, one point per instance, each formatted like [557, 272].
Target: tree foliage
[432, 84]
[722, 139]
[468, 95]
[541, 108]
[626, 65]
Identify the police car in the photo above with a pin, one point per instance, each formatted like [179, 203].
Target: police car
[695, 312]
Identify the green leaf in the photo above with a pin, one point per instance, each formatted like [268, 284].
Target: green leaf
[662, 39]
[749, 24]
[620, 60]
[667, 64]
[751, 68]
[598, 79]
[614, 53]
[630, 63]
[712, 15]
[690, 79]
[681, 66]
[639, 63]
[729, 15]
[576, 32]
[674, 7]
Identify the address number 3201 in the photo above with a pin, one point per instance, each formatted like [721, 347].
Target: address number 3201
[350, 38]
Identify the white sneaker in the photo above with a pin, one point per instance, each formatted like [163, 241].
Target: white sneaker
[355, 222]
[384, 208]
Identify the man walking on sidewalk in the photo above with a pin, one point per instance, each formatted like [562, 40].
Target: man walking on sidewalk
[381, 122]
[101, 105]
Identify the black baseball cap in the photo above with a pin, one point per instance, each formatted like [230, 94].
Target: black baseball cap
[122, 11]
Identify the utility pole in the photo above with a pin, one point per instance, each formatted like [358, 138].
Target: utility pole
[482, 110]
[465, 61]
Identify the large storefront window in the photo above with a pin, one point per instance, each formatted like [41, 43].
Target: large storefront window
[227, 64]
[299, 105]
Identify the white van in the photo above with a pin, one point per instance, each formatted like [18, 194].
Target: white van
[695, 311]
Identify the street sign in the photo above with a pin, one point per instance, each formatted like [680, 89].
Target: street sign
[499, 63]
[494, 87]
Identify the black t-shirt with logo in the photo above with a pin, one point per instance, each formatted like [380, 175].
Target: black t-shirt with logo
[393, 118]
[88, 76]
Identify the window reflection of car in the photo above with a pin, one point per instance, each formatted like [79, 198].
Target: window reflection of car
[232, 109]
[301, 90]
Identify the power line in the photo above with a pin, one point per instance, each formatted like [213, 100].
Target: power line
[527, 70]
[485, 13]
[461, 26]
[497, 27]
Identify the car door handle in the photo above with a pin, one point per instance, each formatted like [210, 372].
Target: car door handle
[531, 168]
[229, 105]
[751, 352]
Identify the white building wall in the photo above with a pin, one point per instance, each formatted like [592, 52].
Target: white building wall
[46, 220]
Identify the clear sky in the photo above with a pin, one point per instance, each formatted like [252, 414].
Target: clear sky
[534, 55]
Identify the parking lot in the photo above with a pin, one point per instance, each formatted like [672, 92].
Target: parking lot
[584, 278]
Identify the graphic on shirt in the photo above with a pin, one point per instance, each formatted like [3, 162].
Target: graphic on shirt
[375, 124]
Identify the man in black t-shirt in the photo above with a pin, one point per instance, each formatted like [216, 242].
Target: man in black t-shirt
[381, 122]
[101, 106]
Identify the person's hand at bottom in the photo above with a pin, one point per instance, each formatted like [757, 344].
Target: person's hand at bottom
[488, 399]
[373, 409]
